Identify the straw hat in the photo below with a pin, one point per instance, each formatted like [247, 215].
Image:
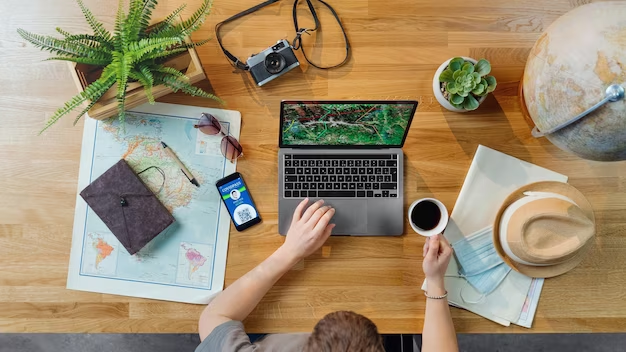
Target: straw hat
[544, 229]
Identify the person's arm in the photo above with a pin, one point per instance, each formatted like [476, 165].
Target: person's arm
[438, 334]
[308, 232]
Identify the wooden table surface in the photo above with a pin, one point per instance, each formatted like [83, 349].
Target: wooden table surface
[397, 46]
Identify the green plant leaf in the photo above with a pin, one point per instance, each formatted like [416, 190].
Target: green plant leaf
[483, 67]
[86, 110]
[96, 26]
[458, 106]
[167, 23]
[456, 63]
[195, 44]
[70, 105]
[123, 65]
[163, 54]
[145, 70]
[131, 25]
[118, 30]
[81, 60]
[63, 47]
[92, 41]
[468, 67]
[479, 90]
[63, 33]
[185, 28]
[133, 12]
[96, 89]
[446, 76]
[171, 71]
[452, 88]
[197, 18]
[463, 93]
[139, 15]
[106, 83]
[145, 77]
[138, 50]
[491, 83]
[457, 74]
[470, 103]
[146, 15]
[456, 99]
[477, 77]
[177, 85]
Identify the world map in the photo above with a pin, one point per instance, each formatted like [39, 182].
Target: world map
[183, 254]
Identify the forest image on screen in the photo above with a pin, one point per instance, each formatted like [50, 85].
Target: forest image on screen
[345, 124]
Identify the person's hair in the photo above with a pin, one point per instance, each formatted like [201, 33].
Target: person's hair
[344, 332]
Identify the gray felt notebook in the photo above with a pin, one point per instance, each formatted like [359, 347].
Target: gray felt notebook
[127, 207]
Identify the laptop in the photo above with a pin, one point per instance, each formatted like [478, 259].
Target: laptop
[349, 154]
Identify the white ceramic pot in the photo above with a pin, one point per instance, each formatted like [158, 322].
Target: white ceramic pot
[437, 87]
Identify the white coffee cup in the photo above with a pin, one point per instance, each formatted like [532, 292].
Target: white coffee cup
[443, 220]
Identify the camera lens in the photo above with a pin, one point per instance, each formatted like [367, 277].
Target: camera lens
[274, 63]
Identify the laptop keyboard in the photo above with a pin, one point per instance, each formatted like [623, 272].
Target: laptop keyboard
[345, 176]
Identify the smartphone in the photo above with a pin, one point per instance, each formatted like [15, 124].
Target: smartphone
[238, 201]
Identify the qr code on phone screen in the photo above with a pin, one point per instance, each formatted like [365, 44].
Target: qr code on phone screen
[245, 215]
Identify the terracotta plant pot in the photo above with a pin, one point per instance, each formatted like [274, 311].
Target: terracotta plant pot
[437, 87]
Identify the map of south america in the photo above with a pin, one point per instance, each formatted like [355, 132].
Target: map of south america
[103, 250]
[195, 259]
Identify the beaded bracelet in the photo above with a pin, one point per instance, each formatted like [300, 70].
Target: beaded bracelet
[436, 297]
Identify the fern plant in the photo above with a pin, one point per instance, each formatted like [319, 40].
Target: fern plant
[134, 52]
[465, 83]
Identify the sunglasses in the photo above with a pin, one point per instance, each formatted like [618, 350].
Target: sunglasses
[230, 147]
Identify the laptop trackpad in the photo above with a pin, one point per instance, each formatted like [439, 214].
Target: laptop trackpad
[350, 217]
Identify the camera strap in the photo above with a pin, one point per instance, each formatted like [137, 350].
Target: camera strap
[297, 41]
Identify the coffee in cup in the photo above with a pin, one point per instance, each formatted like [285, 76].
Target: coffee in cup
[428, 216]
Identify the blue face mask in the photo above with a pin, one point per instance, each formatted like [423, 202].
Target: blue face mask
[479, 262]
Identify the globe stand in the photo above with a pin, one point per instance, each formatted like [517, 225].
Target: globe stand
[522, 104]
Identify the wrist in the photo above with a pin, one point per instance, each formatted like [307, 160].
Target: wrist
[435, 286]
[287, 256]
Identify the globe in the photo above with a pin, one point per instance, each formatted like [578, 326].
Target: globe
[568, 71]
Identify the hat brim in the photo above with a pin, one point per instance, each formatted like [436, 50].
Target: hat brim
[552, 270]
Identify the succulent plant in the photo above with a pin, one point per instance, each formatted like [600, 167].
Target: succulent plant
[466, 83]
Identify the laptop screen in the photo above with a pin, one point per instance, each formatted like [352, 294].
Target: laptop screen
[345, 123]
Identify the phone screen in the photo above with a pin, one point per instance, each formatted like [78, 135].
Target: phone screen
[238, 201]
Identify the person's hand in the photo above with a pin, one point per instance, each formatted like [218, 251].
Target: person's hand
[309, 229]
[437, 254]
